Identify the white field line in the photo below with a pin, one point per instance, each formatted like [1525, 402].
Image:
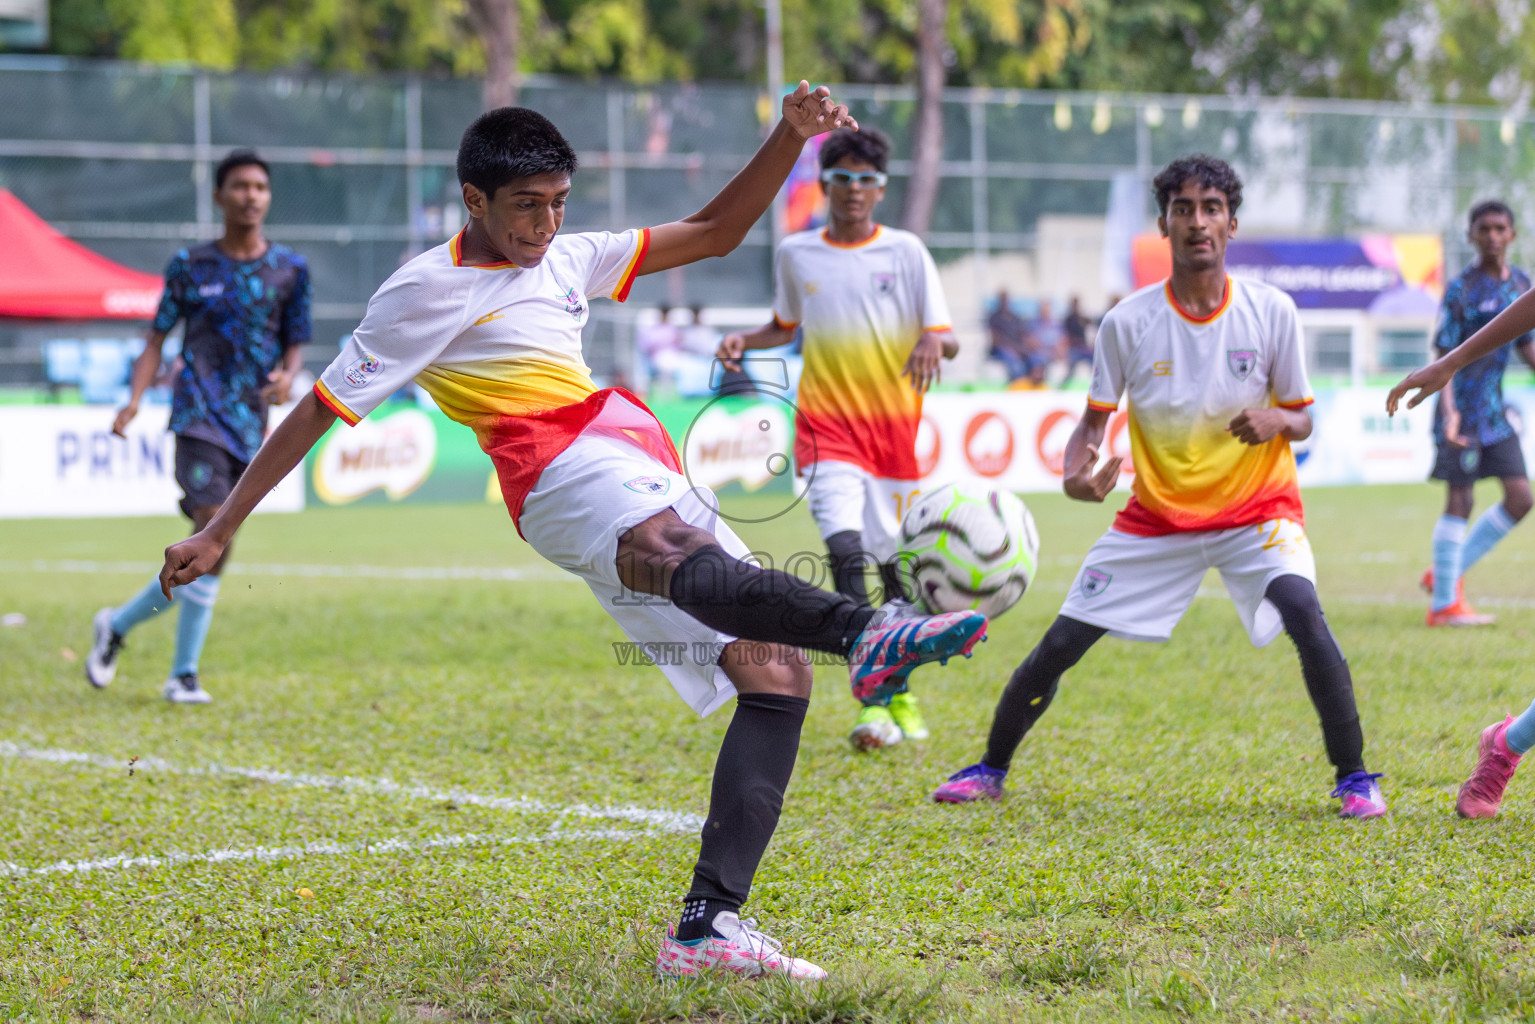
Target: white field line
[341, 572]
[666, 821]
[314, 849]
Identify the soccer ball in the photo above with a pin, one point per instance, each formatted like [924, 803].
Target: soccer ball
[968, 548]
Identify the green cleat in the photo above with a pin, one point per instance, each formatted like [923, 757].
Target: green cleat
[875, 729]
[903, 708]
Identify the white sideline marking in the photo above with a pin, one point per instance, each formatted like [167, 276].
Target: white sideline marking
[666, 821]
[376, 572]
[315, 849]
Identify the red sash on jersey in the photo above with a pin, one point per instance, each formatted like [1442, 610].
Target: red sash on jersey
[521, 446]
[882, 448]
[1282, 502]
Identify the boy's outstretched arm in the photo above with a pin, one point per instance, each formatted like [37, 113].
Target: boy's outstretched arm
[721, 225]
[286, 448]
[1517, 319]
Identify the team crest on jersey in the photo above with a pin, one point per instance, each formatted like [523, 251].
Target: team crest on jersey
[884, 283]
[649, 484]
[364, 370]
[1095, 581]
[1242, 361]
[573, 304]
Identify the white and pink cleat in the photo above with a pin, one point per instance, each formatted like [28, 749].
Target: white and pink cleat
[744, 951]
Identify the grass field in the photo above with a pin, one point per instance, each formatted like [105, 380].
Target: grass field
[436, 796]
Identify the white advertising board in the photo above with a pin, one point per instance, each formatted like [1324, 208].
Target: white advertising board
[64, 461]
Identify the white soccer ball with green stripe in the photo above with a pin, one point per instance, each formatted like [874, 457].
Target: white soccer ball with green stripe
[967, 547]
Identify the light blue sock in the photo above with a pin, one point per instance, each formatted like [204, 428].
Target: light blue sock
[1449, 538]
[1521, 731]
[144, 605]
[196, 600]
[1490, 527]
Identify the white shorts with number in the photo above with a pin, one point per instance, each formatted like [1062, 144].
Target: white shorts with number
[848, 497]
[590, 494]
[1139, 587]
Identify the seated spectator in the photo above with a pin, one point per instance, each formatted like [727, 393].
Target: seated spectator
[658, 345]
[1044, 333]
[1009, 338]
[1075, 348]
[1034, 380]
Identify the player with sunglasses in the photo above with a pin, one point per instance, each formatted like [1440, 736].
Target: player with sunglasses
[875, 325]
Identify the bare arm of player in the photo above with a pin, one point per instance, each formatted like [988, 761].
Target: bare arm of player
[733, 345]
[145, 368]
[922, 365]
[1451, 414]
[286, 448]
[1517, 319]
[1082, 455]
[1260, 426]
[280, 381]
[722, 224]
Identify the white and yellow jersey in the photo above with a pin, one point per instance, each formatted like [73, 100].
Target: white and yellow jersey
[863, 307]
[483, 341]
[498, 347]
[1186, 378]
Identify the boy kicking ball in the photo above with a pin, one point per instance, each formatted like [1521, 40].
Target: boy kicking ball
[489, 324]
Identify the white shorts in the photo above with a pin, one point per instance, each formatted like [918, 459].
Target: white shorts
[590, 494]
[848, 497]
[1139, 587]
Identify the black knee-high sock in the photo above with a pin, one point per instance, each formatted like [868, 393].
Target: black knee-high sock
[769, 605]
[847, 565]
[755, 763]
[890, 579]
[1325, 670]
[1033, 685]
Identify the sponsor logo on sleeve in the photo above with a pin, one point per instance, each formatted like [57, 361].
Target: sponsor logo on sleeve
[1242, 361]
[1095, 581]
[362, 372]
[649, 484]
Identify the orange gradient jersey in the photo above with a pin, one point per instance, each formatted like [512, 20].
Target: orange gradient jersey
[497, 347]
[862, 308]
[1186, 378]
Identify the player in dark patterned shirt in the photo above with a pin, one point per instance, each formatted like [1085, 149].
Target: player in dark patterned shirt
[1472, 434]
[245, 301]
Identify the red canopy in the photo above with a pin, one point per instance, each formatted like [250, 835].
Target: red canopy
[43, 274]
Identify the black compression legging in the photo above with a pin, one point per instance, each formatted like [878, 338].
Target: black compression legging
[1328, 682]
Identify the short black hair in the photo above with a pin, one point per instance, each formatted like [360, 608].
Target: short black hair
[508, 143]
[1487, 206]
[870, 145]
[239, 158]
[1209, 171]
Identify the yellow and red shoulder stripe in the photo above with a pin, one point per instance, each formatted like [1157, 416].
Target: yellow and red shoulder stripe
[335, 405]
[782, 324]
[1298, 404]
[626, 281]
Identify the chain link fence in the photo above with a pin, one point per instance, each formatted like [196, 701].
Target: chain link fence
[119, 156]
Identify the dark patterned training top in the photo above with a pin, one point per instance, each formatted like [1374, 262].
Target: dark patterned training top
[1470, 302]
[241, 317]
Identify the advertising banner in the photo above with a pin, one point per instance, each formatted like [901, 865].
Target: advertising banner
[1387, 275]
[64, 461]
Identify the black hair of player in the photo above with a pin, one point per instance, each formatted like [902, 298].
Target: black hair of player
[239, 158]
[1487, 206]
[870, 145]
[508, 143]
[1209, 171]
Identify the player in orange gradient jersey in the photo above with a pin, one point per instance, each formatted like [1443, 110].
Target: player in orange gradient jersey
[875, 324]
[489, 323]
[1215, 375]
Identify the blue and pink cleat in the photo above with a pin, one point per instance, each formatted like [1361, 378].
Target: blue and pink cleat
[1361, 796]
[884, 655]
[978, 782]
